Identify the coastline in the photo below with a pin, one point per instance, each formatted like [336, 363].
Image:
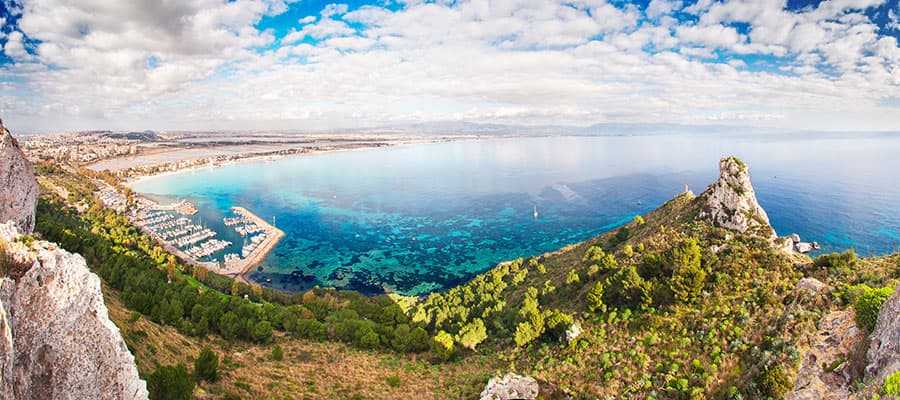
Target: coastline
[237, 269]
[133, 176]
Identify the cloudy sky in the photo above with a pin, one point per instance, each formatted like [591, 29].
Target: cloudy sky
[308, 65]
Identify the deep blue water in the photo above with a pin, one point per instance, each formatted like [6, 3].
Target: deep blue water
[419, 218]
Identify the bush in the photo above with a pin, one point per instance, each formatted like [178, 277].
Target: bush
[774, 383]
[472, 334]
[170, 383]
[891, 385]
[572, 277]
[868, 304]
[688, 277]
[206, 365]
[442, 346]
[277, 353]
[393, 381]
[595, 297]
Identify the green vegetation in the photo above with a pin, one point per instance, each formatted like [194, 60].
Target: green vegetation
[206, 366]
[891, 385]
[170, 383]
[868, 304]
[442, 346]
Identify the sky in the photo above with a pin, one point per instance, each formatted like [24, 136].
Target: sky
[308, 65]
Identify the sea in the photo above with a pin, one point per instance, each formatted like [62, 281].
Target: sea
[415, 219]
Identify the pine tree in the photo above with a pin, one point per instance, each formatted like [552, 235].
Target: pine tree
[206, 366]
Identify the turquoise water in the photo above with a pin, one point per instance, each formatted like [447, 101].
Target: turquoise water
[419, 218]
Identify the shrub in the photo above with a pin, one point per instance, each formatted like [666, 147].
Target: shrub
[638, 220]
[572, 277]
[277, 353]
[442, 346]
[774, 383]
[868, 304]
[526, 332]
[595, 297]
[688, 277]
[628, 251]
[393, 381]
[472, 334]
[206, 365]
[170, 383]
[891, 385]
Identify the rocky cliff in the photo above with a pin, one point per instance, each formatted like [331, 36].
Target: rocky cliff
[18, 187]
[56, 339]
[731, 203]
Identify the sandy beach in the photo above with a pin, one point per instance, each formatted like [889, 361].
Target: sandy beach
[238, 268]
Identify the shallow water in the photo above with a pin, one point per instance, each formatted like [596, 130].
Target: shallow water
[418, 218]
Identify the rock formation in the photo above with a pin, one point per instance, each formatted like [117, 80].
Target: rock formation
[731, 203]
[883, 357]
[56, 339]
[18, 187]
[825, 373]
[509, 387]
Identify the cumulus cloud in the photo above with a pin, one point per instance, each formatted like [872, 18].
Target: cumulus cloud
[205, 64]
[657, 8]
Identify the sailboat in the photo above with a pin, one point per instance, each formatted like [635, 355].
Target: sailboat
[535, 212]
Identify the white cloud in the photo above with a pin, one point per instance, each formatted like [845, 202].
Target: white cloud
[334, 9]
[200, 65]
[658, 8]
[715, 36]
[15, 47]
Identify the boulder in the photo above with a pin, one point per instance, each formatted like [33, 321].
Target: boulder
[805, 247]
[56, 338]
[573, 333]
[784, 244]
[883, 356]
[795, 238]
[811, 286]
[18, 186]
[510, 386]
[731, 203]
[825, 373]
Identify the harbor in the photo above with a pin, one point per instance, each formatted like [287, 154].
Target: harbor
[197, 244]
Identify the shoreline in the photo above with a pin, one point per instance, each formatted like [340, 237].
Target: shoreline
[213, 161]
[237, 269]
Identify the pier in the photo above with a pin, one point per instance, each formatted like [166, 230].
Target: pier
[236, 267]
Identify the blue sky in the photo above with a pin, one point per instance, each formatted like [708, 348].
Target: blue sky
[316, 65]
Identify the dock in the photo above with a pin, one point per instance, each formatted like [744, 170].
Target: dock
[238, 267]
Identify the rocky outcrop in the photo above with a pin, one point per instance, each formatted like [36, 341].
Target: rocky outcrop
[883, 357]
[510, 386]
[18, 187]
[572, 333]
[826, 372]
[731, 203]
[56, 338]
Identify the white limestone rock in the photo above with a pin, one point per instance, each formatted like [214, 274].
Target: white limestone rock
[55, 331]
[18, 187]
[731, 203]
[572, 333]
[510, 386]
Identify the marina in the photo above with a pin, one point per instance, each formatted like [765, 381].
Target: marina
[195, 242]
